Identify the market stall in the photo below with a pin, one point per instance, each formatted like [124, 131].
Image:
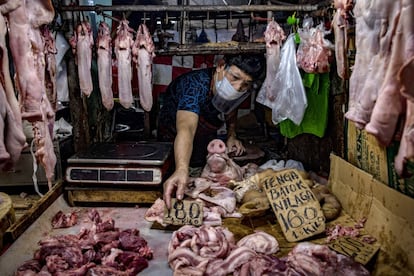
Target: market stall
[207, 137]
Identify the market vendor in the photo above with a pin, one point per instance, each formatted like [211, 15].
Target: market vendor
[197, 104]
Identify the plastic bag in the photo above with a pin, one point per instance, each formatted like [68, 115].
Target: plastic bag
[291, 101]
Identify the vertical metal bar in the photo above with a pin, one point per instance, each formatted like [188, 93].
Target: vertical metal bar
[182, 23]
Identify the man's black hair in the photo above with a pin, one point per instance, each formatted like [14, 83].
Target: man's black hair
[252, 64]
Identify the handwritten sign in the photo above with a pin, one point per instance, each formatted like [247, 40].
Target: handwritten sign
[358, 250]
[184, 212]
[296, 208]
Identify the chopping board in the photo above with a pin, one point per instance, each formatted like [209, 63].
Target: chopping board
[7, 216]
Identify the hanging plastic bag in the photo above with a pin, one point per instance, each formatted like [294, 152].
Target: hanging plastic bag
[291, 101]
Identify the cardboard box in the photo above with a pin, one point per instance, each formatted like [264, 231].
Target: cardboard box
[364, 151]
[390, 216]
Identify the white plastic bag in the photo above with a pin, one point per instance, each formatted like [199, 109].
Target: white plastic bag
[291, 101]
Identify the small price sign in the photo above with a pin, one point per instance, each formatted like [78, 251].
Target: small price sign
[184, 212]
[360, 251]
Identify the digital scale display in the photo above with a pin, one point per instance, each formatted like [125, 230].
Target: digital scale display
[114, 176]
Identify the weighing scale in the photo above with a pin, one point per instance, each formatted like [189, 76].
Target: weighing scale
[124, 172]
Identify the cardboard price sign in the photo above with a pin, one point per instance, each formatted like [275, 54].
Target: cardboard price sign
[296, 208]
[360, 251]
[184, 212]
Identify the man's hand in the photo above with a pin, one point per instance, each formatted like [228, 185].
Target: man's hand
[177, 183]
[235, 146]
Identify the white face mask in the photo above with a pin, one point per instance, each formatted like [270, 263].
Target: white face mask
[227, 98]
[226, 90]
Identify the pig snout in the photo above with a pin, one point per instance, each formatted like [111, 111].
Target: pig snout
[216, 146]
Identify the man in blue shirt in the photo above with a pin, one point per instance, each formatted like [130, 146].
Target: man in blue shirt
[197, 104]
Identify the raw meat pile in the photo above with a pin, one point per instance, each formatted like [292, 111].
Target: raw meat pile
[61, 220]
[314, 53]
[210, 188]
[211, 250]
[381, 91]
[101, 250]
[337, 231]
[223, 184]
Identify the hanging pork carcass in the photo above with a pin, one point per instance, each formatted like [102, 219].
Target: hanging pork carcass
[340, 25]
[82, 43]
[12, 136]
[123, 47]
[375, 32]
[143, 52]
[30, 66]
[104, 49]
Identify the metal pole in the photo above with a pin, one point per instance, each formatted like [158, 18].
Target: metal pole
[190, 8]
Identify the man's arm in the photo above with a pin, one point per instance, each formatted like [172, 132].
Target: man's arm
[183, 147]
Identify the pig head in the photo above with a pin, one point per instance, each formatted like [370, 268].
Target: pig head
[220, 167]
